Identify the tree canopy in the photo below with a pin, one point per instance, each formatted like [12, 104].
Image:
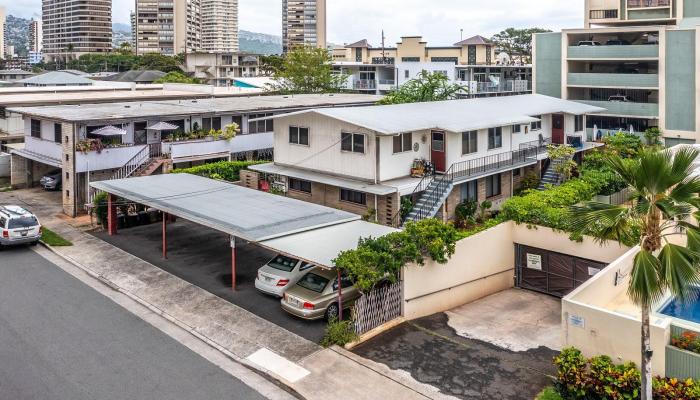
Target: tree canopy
[119, 61]
[517, 42]
[307, 69]
[176, 77]
[425, 87]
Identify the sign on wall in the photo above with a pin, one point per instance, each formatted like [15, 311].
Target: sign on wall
[577, 321]
[534, 261]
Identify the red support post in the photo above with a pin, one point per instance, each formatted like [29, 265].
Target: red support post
[340, 297]
[165, 236]
[233, 263]
[111, 215]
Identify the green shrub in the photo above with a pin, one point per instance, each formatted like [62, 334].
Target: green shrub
[549, 394]
[99, 209]
[339, 332]
[531, 180]
[223, 170]
[465, 211]
[599, 378]
[465, 233]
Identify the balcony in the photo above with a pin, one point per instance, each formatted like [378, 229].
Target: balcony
[108, 158]
[634, 51]
[387, 84]
[192, 150]
[614, 80]
[364, 84]
[43, 151]
[500, 87]
[628, 109]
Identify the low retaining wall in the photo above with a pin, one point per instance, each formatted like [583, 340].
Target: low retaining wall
[483, 264]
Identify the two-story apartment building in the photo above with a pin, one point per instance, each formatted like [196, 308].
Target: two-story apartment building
[472, 62]
[360, 159]
[636, 58]
[91, 142]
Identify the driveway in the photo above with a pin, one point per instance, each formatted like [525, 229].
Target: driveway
[483, 350]
[202, 256]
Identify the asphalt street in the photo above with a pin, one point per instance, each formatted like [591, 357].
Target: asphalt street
[60, 339]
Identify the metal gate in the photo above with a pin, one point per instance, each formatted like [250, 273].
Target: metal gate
[552, 273]
[377, 307]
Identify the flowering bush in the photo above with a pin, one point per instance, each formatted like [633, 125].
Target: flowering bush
[687, 341]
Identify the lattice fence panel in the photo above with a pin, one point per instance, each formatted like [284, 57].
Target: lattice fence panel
[377, 307]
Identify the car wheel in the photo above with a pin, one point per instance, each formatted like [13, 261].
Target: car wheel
[332, 311]
[34, 243]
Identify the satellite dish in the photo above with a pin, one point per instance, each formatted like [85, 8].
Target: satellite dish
[503, 58]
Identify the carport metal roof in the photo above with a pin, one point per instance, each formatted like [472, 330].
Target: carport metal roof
[241, 212]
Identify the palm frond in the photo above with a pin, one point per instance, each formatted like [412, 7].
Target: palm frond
[645, 283]
[679, 270]
[686, 191]
[600, 220]
[682, 163]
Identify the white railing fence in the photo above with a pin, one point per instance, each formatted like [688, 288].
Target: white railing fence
[131, 166]
[378, 307]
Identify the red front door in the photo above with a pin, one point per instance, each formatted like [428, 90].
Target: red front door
[558, 129]
[437, 150]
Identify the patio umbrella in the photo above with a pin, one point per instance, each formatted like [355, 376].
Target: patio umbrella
[631, 129]
[109, 130]
[163, 126]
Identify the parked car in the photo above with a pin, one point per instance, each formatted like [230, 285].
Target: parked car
[315, 295]
[617, 42]
[619, 98]
[52, 180]
[18, 226]
[588, 43]
[279, 274]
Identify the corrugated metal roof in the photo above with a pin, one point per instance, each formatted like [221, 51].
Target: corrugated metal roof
[453, 115]
[163, 109]
[321, 246]
[245, 213]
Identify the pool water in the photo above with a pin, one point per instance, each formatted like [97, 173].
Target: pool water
[689, 311]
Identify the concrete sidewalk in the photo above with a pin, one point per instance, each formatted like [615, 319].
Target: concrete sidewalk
[313, 372]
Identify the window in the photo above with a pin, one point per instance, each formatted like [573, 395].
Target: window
[468, 191]
[516, 128]
[495, 138]
[313, 282]
[283, 263]
[469, 143]
[516, 172]
[35, 128]
[410, 59]
[3, 222]
[406, 74]
[578, 122]
[345, 282]
[537, 125]
[206, 124]
[354, 142]
[216, 123]
[298, 135]
[403, 142]
[352, 196]
[299, 185]
[265, 125]
[57, 132]
[493, 185]
[603, 14]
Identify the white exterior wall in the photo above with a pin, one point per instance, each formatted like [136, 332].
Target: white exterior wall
[415, 68]
[12, 124]
[392, 166]
[323, 153]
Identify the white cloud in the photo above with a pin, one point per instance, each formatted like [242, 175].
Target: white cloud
[438, 21]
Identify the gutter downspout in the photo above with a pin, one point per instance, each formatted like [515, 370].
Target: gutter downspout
[376, 175]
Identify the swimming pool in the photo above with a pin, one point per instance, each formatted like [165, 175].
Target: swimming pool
[689, 311]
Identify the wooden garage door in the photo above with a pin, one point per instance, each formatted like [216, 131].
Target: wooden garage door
[552, 273]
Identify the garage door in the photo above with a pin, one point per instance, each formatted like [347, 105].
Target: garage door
[552, 273]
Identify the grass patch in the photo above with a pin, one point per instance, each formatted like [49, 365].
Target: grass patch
[52, 238]
[549, 393]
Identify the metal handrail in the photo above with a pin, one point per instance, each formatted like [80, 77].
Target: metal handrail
[126, 170]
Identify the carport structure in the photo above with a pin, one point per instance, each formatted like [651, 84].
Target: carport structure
[306, 231]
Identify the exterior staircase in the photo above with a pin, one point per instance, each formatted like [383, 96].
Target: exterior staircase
[150, 167]
[432, 199]
[550, 177]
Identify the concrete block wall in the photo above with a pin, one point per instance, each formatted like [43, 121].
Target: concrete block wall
[18, 172]
[455, 196]
[69, 177]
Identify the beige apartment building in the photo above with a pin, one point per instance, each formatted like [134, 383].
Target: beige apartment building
[2, 32]
[303, 23]
[35, 36]
[167, 27]
[220, 26]
[73, 28]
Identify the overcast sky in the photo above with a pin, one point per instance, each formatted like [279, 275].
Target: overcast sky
[439, 21]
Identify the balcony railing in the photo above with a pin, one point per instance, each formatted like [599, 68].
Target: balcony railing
[614, 80]
[644, 110]
[621, 52]
[42, 147]
[503, 86]
[109, 158]
[364, 84]
[648, 3]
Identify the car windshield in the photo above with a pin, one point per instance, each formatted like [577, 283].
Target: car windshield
[23, 222]
[313, 282]
[283, 263]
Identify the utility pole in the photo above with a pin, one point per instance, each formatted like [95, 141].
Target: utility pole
[383, 48]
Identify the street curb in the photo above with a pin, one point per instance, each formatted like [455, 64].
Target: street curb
[182, 325]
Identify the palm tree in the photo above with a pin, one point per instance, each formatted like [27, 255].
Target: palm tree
[664, 200]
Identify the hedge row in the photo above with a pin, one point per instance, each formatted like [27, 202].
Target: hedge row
[224, 170]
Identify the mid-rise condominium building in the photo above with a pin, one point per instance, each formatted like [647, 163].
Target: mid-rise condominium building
[303, 23]
[635, 58]
[2, 32]
[472, 63]
[186, 26]
[72, 28]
